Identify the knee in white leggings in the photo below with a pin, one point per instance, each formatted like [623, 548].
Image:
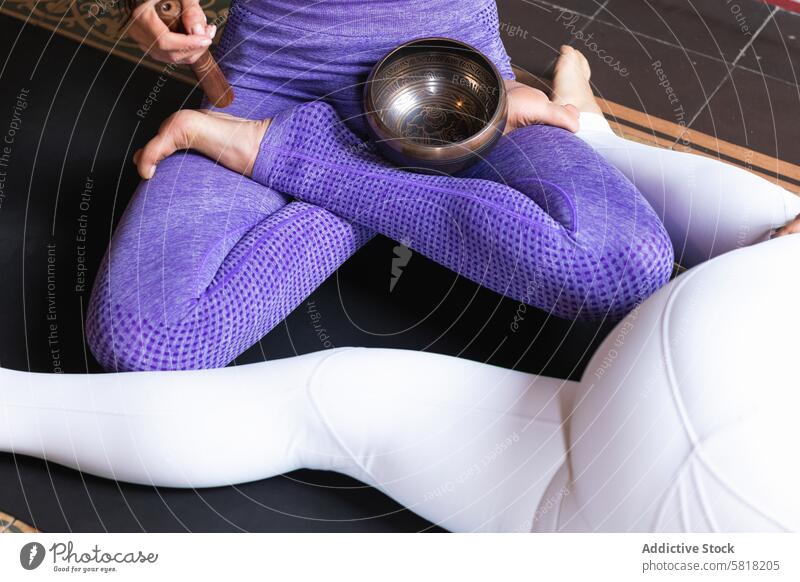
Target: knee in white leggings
[469, 446]
[686, 418]
[709, 207]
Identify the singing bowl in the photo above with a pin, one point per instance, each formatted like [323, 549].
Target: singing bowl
[435, 105]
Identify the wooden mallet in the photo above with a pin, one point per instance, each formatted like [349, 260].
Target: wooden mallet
[206, 69]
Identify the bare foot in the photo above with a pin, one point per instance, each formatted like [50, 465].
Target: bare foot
[231, 141]
[571, 81]
[791, 227]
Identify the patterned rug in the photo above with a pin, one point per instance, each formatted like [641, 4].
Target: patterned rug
[99, 23]
[793, 5]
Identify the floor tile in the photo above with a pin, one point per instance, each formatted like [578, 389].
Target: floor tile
[717, 28]
[776, 50]
[647, 75]
[756, 112]
[533, 32]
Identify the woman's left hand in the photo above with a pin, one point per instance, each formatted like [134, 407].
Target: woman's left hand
[529, 106]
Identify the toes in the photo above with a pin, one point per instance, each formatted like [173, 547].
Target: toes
[577, 54]
[570, 53]
[158, 148]
[147, 158]
[581, 61]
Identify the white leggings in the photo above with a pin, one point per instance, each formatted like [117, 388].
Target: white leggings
[709, 207]
[685, 420]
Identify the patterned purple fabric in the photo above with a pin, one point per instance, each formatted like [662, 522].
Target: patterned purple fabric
[204, 261]
[558, 229]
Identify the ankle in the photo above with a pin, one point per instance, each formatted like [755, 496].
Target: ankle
[253, 147]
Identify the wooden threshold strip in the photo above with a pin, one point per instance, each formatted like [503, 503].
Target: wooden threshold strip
[10, 524]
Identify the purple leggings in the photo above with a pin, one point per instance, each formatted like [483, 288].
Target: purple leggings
[205, 262]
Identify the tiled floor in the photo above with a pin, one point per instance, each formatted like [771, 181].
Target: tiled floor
[724, 68]
[793, 5]
[776, 50]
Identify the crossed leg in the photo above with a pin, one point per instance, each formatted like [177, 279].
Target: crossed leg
[206, 261]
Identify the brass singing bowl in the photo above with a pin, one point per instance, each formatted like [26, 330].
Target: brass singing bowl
[435, 104]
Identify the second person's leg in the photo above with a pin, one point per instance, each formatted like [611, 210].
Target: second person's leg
[468, 446]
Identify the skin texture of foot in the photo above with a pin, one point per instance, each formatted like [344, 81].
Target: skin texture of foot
[230, 141]
[571, 81]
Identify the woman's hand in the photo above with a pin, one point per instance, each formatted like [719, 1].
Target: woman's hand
[529, 106]
[155, 39]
